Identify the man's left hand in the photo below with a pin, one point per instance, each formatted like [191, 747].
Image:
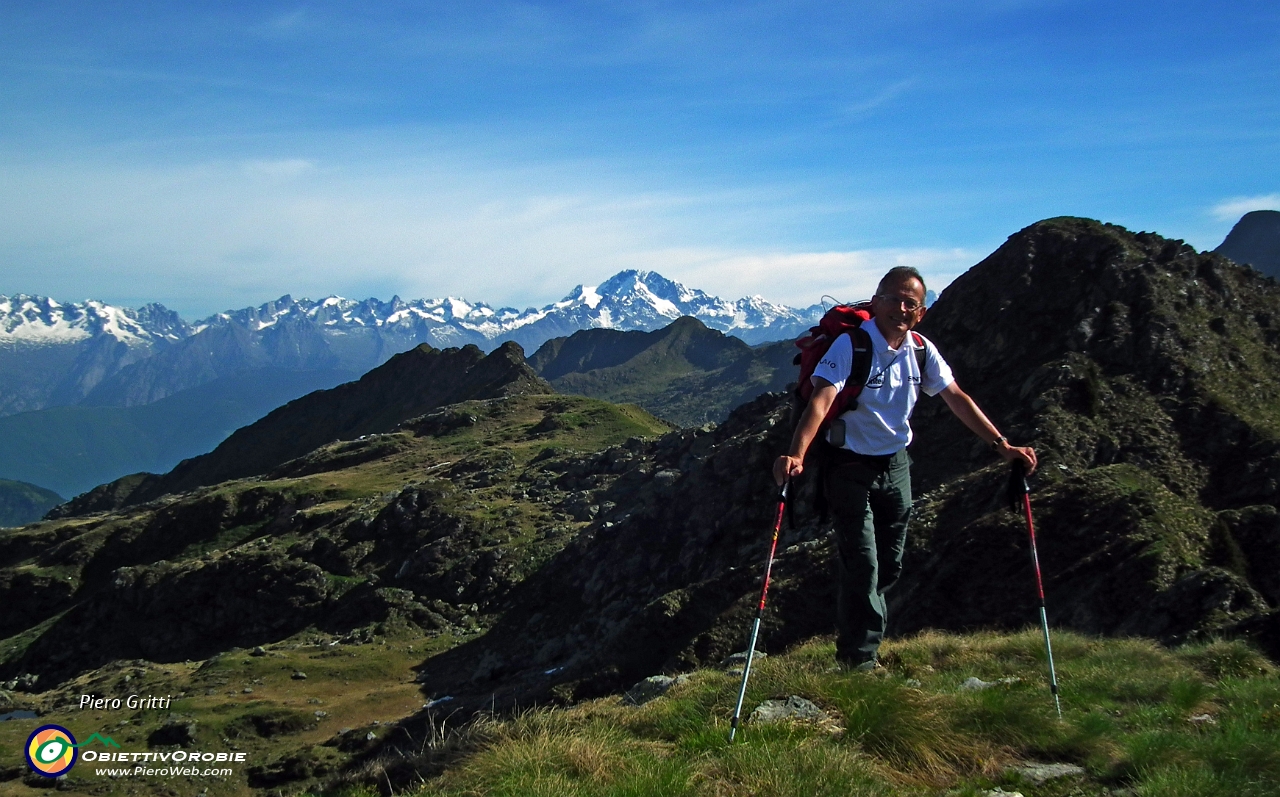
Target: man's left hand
[1026, 455]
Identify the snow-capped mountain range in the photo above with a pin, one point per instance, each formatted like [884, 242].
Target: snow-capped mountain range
[41, 320]
[95, 353]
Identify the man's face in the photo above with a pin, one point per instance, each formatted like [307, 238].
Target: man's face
[898, 307]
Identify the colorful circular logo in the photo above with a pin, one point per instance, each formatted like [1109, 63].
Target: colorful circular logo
[51, 750]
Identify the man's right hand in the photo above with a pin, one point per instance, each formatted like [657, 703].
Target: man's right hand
[785, 467]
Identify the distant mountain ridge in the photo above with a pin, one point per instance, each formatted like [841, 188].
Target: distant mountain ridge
[1255, 241]
[39, 319]
[22, 503]
[628, 300]
[54, 354]
[684, 373]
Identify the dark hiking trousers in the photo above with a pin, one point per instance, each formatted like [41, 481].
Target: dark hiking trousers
[870, 501]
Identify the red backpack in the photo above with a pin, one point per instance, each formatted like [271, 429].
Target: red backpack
[837, 321]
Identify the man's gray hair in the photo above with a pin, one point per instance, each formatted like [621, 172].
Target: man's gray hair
[901, 274]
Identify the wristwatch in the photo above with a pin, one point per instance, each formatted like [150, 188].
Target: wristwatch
[999, 441]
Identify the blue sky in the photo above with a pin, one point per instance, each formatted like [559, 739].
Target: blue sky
[212, 156]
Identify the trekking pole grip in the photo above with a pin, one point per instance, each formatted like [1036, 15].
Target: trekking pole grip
[1016, 490]
[1019, 474]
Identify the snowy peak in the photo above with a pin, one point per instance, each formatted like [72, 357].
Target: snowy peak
[336, 312]
[653, 288]
[648, 300]
[40, 320]
[643, 293]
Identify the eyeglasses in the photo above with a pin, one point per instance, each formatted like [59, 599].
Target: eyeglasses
[907, 303]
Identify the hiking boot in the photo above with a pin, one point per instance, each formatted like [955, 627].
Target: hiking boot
[849, 665]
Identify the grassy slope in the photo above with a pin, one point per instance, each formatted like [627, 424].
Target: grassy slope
[356, 677]
[1128, 720]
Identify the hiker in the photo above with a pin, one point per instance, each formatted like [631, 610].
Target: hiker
[866, 471]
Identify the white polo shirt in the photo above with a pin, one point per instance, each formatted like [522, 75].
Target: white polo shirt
[880, 424]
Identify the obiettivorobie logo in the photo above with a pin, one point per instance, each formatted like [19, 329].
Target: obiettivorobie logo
[51, 751]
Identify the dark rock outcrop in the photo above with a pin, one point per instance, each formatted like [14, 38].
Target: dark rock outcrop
[1104, 346]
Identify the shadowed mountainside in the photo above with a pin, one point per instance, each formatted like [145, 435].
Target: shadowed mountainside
[1108, 347]
[409, 384]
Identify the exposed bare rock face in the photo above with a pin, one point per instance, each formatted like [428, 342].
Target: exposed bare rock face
[1105, 346]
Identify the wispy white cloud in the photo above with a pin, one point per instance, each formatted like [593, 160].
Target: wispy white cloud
[285, 23]
[1234, 208]
[881, 98]
[218, 235]
[129, 79]
[283, 169]
[803, 278]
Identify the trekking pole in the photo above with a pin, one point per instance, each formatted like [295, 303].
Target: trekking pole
[755, 627]
[1018, 484]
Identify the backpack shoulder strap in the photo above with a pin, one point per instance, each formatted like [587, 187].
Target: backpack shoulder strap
[921, 352]
[861, 368]
[859, 371]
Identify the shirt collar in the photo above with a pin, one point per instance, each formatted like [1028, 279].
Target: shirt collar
[880, 344]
